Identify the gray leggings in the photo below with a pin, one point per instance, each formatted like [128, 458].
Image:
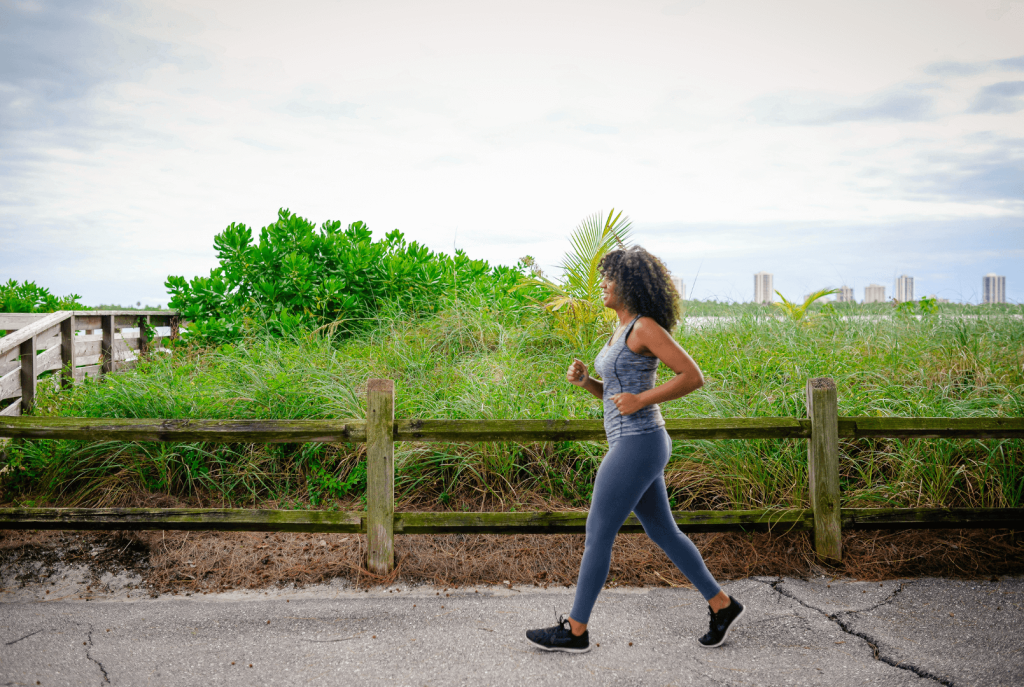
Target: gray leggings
[632, 478]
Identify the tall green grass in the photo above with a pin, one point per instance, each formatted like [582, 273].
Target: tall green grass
[476, 361]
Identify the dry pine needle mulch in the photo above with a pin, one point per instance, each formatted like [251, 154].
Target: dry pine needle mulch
[219, 561]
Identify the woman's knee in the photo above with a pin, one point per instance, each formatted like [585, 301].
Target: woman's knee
[664, 534]
[601, 530]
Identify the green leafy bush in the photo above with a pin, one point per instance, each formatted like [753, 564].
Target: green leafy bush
[298, 276]
[929, 305]
[27, 297]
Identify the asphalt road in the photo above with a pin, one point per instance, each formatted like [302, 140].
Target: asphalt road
[796, 632]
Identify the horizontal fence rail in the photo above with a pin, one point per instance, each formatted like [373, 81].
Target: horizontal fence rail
[380, 430]
[456, 431]
[79, 343]
[213, 431]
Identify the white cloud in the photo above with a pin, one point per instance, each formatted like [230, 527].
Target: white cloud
[504, 122]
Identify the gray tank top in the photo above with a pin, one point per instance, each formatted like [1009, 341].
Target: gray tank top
[624, 371]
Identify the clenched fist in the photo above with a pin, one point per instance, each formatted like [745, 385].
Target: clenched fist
[627, 403]
[577, 373]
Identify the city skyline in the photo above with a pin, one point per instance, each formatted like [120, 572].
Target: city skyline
[993, 288]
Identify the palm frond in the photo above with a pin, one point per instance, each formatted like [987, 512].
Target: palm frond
[820, 293]
[797, 311]
[576, 301]
[589, 242]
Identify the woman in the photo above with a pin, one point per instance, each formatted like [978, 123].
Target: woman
[632, 475]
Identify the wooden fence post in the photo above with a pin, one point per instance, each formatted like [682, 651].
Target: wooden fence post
[143, 335]
[823, 466]
[107, 345]
[67, 352]
[380, 475]
[28, 375]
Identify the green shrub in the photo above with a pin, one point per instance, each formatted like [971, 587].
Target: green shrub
[297, 276]
[28, 298]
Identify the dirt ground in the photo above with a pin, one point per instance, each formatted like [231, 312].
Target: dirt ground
[192, 562]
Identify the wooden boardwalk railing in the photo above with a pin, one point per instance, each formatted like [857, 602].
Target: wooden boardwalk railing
[67, 340]
[823, 429]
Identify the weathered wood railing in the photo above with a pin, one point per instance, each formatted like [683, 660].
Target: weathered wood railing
[80, 343]
[823, 429]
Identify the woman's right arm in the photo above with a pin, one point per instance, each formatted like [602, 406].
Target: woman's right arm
[577, 374]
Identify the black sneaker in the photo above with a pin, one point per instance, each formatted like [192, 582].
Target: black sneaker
[560, 638]
[721, 623]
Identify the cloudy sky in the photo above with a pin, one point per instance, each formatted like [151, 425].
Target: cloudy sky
[828, 143]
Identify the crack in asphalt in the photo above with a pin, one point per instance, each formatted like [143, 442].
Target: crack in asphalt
[839, 620]
[88, 643]
[106, 677]
[21, 638]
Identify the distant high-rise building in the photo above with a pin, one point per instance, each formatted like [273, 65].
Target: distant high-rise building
[844, 294]
[994, 288]
[680, 287]
[904, 289]
[763, 290]
[874, 293]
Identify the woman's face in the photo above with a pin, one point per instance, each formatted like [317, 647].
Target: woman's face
[608, 295]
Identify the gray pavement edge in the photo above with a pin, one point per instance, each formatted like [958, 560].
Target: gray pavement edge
[819, 631]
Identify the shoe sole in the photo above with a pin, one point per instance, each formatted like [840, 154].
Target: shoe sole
[727, 631]
[557, 648]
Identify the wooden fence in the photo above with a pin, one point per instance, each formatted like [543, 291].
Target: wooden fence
[80, 343]
[822, 429]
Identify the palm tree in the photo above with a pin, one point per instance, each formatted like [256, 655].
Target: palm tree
[576, 301]
[797, 311]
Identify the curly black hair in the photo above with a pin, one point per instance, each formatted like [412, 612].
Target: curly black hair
[643, 283]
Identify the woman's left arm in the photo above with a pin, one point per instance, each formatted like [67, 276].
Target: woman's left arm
[649, 338]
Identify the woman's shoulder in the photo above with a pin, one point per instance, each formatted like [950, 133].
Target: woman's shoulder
[647, 334]
[647, 325]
